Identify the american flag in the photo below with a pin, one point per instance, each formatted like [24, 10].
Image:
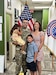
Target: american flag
[26, 15]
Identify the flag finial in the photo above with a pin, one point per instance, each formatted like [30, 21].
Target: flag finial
[26, 3]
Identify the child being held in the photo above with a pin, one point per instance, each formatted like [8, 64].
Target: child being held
[32, 51]
[16, 36]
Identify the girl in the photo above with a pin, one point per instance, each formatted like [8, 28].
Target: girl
[32, 51]
[16, 37]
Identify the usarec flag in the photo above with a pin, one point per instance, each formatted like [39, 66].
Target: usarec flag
[50, 36]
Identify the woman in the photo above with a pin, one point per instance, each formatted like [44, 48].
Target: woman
[38, 36]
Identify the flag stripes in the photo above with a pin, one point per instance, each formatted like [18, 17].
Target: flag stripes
[26, 15]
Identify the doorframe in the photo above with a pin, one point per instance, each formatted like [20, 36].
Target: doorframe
[6, 40]
[10, 45]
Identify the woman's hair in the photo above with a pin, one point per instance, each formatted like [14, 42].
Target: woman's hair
[13, 28]
[40, 27]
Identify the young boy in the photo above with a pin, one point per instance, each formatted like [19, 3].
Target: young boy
[32, 52]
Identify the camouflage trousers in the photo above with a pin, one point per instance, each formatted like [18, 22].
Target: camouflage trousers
[20, 61]
[24, 63]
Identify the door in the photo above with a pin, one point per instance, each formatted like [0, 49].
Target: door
[37, 14]
[8, 43]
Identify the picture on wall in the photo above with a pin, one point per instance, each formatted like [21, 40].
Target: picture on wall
[16, 15]
[9, 4]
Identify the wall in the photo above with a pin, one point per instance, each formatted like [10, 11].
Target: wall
[42, 17]
[14, 4]
[37, 14]
[45, 18]
[2, 48]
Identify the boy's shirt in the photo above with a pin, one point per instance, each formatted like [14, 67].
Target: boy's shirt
[31, 49]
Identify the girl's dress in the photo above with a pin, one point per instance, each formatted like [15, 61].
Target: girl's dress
[37, 41]
[16, 37]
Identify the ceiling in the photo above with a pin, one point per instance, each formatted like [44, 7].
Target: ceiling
[38, 4]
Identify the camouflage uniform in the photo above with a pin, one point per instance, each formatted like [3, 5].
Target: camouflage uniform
[25, 32]
[20, 58]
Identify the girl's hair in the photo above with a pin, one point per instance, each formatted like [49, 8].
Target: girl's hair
[40, 27]
[13, 28]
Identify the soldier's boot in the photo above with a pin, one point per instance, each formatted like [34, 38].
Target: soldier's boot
[18, 68]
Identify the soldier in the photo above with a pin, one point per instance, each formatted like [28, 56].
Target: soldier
[19, 57]
[25, 33]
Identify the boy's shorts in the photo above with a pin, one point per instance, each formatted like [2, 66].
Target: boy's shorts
[32, 66]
